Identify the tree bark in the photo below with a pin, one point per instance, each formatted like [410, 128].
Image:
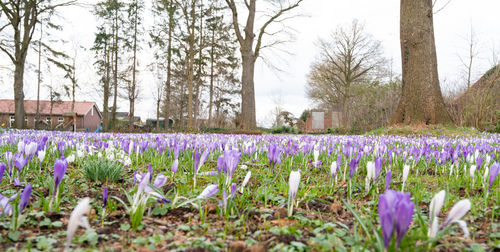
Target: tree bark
[132, 91]
[421, 100]
[191, 64]
[19, 93]
[105, 106]
[169, 62]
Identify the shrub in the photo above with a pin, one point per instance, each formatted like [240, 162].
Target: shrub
[103, 170]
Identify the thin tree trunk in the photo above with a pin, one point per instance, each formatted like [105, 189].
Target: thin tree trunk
[19, 95]
[421, 100]
[200, 65]
[248, 120]
[132, 95]
[115, 71]
[212, 61]
[106, 86]
[37, 117]
[191, 66]
[169, 62]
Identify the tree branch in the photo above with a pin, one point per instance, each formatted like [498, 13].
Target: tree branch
[271, 20]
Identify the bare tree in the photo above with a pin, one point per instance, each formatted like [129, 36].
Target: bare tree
[467, 63]
[349, 57]
[250, 53]
[17, 25]
[421, 100]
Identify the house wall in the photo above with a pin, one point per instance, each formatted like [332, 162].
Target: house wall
[5, 118]
[91, 120]
[328, 122]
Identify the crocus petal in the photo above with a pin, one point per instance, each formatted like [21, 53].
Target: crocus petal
[293, 184]
[457, 212]
[208, 192]
[25, 197]
[2, 170]
[160, 180]
[175, 165]
[493, 174]
[436, 204]
[245, 181]
[463, 226]
[404, 213]
[434, 228]
[75, 218]
[386, 219]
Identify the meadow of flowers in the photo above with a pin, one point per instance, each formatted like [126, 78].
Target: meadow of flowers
[202, 192]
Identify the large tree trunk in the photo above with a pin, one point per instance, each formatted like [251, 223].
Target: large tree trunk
[19, 93]
[248, 120]
[421, 99]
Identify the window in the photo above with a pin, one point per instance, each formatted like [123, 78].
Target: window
[60, 119]
[12, 120]
[47, 120]
[26, 119]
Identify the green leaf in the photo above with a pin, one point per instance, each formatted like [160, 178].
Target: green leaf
[125, 227]
[14, 235]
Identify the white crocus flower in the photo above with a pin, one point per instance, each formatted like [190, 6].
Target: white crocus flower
[406, 171]
[370, 174]
[486, 174]
[245, 181]
[456, 213]
[70, 158]
[77, 219]
[41, 155]
[292, 190]
[316, 154]
[434, 209]
[333, 168]
[472, 171]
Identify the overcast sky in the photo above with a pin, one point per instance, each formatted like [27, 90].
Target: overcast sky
[318, 18]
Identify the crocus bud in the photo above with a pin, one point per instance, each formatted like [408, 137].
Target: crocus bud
[76, 219]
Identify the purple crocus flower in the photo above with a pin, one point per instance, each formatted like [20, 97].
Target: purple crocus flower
[378, 167]
[105, 196]
[208, 192]
[231, 159]
[175, 165]
[20, 162]
[25, 197]
[352, 167]
[396, 213]
[5, 207]
[388, 179]
[493, 174]
[2, 170]
[60, 166]
[479, 162]
[17, 182]
[233, 190]
[150, 170]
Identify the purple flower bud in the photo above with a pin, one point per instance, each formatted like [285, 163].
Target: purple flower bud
[60, 166]
[2, 170]
[105, 196]
[493, 174]
[388, 179]
[175, 166]
[25, 197]
[17, 182]
[396, 213]
[378, 167]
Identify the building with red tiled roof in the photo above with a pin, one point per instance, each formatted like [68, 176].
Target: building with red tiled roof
[86, 114]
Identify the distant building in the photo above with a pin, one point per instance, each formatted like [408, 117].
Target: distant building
[124, 116]
[320, 120]
[86, 115]
[151, 123]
